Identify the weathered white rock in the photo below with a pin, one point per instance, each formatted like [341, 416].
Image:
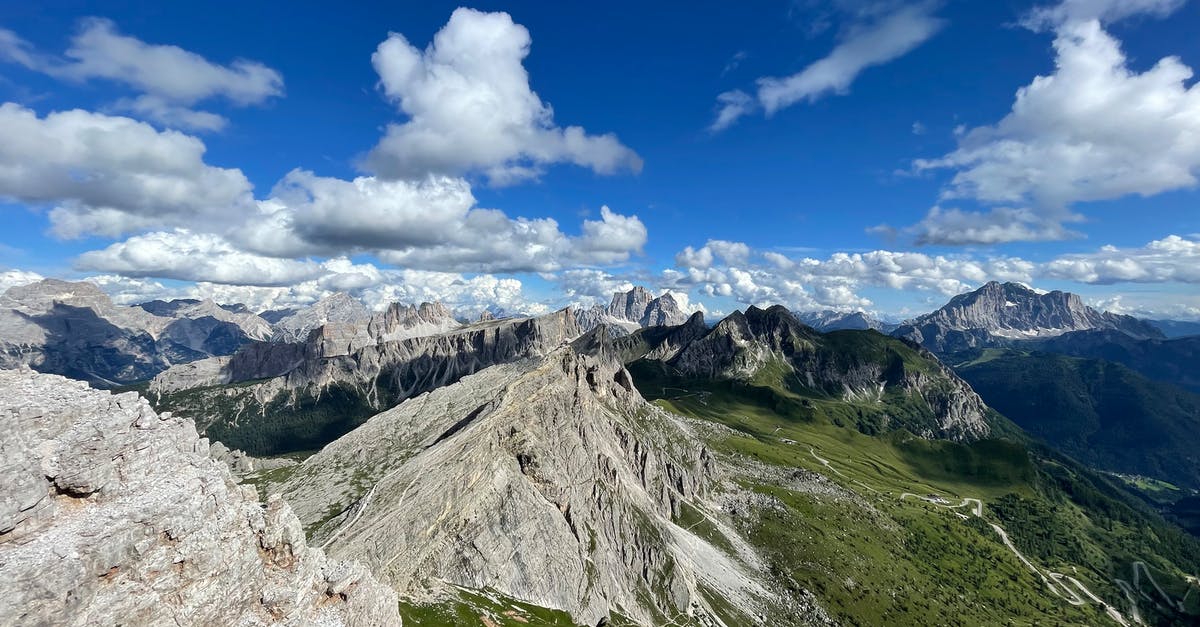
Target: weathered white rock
[243, 464]
[112, 514]
[336, 308]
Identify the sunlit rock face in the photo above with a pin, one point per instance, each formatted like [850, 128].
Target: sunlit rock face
[113, 514]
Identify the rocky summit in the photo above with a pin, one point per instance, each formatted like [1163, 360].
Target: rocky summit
[1001, 313]
[112, 514]
[771, 346]
[628, 311]
[549, 480]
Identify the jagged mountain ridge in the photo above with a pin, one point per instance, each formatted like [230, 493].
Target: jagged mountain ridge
[1001, 313]
[327, 383]
[628, 311]
[115, 515]
[772, 347]
[549, 480]
[75, 329]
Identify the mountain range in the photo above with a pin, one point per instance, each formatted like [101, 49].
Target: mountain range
[76, 330]
[626, 464]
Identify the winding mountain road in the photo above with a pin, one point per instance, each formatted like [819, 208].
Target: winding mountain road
[1073, 593]
[1063, 586]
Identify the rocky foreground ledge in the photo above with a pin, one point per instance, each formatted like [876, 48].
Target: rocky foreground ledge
[113, 514]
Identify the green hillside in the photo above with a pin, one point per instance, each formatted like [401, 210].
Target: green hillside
[1100, 413]
[892, 536]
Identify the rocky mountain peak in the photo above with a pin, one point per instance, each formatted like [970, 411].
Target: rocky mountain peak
[775, 323]
[628, 311]
[1000, 312]
[43, 296]
[431, 311]
[401, 321]
[770, 346]
[696, 321]
[556, 460]
[662, 311]
[630, 305]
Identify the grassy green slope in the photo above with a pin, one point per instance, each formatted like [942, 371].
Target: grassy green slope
[877, 558]
[487, 609]
[1100, 413]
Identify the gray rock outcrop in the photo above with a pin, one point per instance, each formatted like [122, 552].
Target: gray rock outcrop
[399, 322]
[242, 464]
[113, 514]
[1000, 313]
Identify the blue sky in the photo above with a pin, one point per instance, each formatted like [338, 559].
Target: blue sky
[244, 153]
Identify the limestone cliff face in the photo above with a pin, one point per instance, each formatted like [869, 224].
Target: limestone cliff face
[344, 332]
[999, 313]
[397, 322]
[330, 392]
[112, 514]
[549, 480]
[853, 365]
[410, 364]
[74, 329]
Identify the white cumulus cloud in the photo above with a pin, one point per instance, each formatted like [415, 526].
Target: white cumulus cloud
[188, 256]
[1170, 259]
[110, 175]
[1092, 130]
[13, 278]
[470, 108]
